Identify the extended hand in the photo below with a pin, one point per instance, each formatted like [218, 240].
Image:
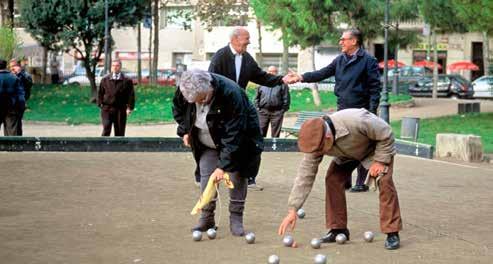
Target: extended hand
[129, 111]
[288, 221]
[377, 168]
[218, 175]
[291, 77]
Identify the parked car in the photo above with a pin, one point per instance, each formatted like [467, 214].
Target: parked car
[324, 85]
[79, 77]
[453, 86]
[483, 87]
[408, 75]
[165, 77]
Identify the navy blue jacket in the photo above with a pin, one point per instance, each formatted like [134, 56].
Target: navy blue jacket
[11, 91]
[223, 63]
[232, 121]
[357, 80]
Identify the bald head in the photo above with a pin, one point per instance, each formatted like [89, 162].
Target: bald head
[272, 70]
[239, 39]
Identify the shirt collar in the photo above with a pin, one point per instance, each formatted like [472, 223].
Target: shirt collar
[233, 50]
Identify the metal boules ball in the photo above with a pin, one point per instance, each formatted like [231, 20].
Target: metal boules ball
[341, 238]
[250, 238]
[197, 235]
[368, 236]
[211, 233]
[316, 243]
[288, 241]
[274, 259]
[301, 213]
[320, 259]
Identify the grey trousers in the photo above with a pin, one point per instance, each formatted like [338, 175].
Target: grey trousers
[274, 118]
[237, 196]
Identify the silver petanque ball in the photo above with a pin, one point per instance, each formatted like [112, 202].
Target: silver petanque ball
[274, 259]
[197, 235]
[288, 241]
[301, 213]
[320, 259]
[316, 243]
[211, 233]
[250, 238]
[368, 236]
[341, 239]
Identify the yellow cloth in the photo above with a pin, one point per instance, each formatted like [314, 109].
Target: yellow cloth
[209, 193]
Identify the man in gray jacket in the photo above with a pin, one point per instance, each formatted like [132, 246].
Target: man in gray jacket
[271, 104]
[351, 136]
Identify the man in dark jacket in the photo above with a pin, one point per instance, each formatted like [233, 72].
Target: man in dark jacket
[271, 104]
[11, 100]
[220, 124]
[357, 83]
[235, 63]
[116, 98]
[26, 82]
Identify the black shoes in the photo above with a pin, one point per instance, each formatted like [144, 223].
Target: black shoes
[330, 237]
[392, 242]
[359, 188]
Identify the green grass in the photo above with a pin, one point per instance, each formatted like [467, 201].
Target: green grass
[477, 124]
[70, 104]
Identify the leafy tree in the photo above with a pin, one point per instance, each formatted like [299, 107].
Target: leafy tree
[227, 11]
[78, 25]
[477, 15]
[10, 43]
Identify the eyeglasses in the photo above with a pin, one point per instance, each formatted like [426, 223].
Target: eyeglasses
[344, 39]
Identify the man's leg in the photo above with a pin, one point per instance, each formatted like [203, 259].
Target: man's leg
[263, 118]
[120, 122]
[360, 180]
[11, 125]
[251, 173]
[276, 123]
[106, 121]
[207, 164]
[237, 200]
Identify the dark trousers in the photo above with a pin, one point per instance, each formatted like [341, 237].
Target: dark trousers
[274, 118]
[335, 198]
[11, 121]
[116, 117]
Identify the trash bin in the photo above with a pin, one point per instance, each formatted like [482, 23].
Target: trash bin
[410, 128]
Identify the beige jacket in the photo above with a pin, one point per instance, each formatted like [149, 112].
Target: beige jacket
[360, 135]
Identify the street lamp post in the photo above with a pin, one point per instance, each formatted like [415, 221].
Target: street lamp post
[384, 106]
[106, 38]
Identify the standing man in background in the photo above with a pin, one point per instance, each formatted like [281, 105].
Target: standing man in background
[12, 101]
[235, 63]
[357, 83]
[116, 98]
[271, 104]
[26, 82]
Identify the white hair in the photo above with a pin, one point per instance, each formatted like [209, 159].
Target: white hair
[194, 82]
[236, 32]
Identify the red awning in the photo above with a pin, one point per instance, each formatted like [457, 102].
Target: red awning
[391, 63]
[427, 64]
[463, 65]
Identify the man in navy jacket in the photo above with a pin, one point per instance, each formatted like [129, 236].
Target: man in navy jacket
[11, 101]
[357, 83]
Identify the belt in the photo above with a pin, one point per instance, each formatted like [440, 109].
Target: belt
[331, 125]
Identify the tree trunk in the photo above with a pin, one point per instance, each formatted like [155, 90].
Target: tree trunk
[90, 76]
[435, 66]
[139, 54]
[156, 42]
[11, 13]
[260, 57]
[44, 65]
[150, 42]
[285, 53]
[395, 79]
[486, 53]
[315, 93]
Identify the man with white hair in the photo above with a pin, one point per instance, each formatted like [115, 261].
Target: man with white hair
[235, 63]
[217, 120]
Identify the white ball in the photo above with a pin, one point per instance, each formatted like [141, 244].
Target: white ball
[316, 243]
[274, 259]
[211, 233]
[250, 238]
[301, 213]
[341, 238]
[369, 236]
[197, 235]
[288, 241]
[320, 259]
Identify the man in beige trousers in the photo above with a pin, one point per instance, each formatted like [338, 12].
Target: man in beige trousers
[351, 136]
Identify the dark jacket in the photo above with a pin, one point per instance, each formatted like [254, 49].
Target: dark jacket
[357, 82]
[116, 93]
[223, 63]
[232, 121]
[26, 82]
[273, 99]
[11, 92]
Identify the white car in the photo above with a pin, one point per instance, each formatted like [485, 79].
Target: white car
[324, 85]
[483, 87]
[83, 80]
